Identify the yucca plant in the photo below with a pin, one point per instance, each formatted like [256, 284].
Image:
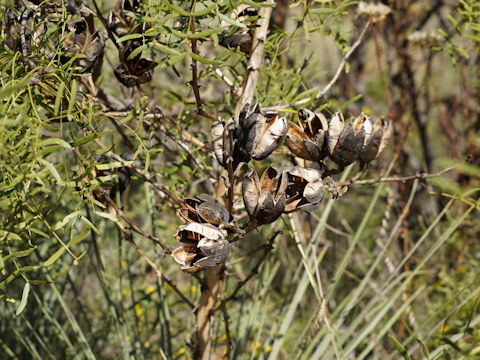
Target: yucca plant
[174, 176]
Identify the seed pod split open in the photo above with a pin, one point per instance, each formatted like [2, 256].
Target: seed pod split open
[203, 245]
[307, 140]
[264, 199]
[376, 140]
[304, 190]
[345, 141]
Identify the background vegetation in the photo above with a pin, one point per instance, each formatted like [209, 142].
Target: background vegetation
[91, 172]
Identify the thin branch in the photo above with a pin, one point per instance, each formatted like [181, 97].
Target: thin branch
[158, 273]
[256, 58]
[134, 227]
[327, 87]
[28, 12]
[160, 187]
[267, 248]
[195, 86]
[394, 178]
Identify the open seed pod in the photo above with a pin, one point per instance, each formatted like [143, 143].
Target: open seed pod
[258, 134]
[304, 190]
[345, 141]
[377, 136]
[205, 209]
[132, 72]
[88, 42]
[119, 22]
[264, 199]
[203, 245]
[307, 140]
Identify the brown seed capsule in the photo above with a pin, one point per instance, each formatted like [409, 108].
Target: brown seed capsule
[345, 141]
[203, 245]
[307, 140]
[258, 135]
[264, 199]
[377, 136]
[304, 190]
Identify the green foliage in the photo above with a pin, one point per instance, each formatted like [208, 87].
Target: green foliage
[386, 271]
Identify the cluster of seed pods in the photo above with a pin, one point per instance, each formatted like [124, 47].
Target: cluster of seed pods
[313, 138]
[278, 191]
[204, 237]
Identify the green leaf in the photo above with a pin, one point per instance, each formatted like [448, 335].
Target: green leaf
[73, 99]
[399, 347]
[59, 98]
[89, 224]
[23, 303]
[165, 49]
[55, 141]
[231, 21]
[52, 170]
[351, 101]
[85, 140]
[206, 61]
[54, 257]
[129, 37]
[113, 165]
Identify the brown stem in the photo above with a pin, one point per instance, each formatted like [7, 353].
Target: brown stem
[195, 86]
[211, 282]
[394, 178]
[380, 70]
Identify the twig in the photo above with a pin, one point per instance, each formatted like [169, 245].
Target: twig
[160, 187]
[380, 70]
[227, 333]
[327, 87]
[395, 178]
[29, 11]
[105, 25]
[195, 86]
[159, 274]
[267, 248]
[134, 227]
[256, 57]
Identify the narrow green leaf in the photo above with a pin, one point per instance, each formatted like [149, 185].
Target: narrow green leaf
[52, 170]
[85, 140]
[55, 141]
[231, 21]
[73, 99]
[23, 303]
[399, 347]
[165, 49]
[54, 257]
[112, 165]
[89, 224]
[205, 61]
[59, 98]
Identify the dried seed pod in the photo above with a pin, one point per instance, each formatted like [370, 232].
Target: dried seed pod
[307, 140]
[241, 39]
[258, 135]
[377, 136]
[192, 233]
[345, 141]
[204, 245]
[304, 189]
[264, 199]
[134, 72]
[88, 42]
[119, 22]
